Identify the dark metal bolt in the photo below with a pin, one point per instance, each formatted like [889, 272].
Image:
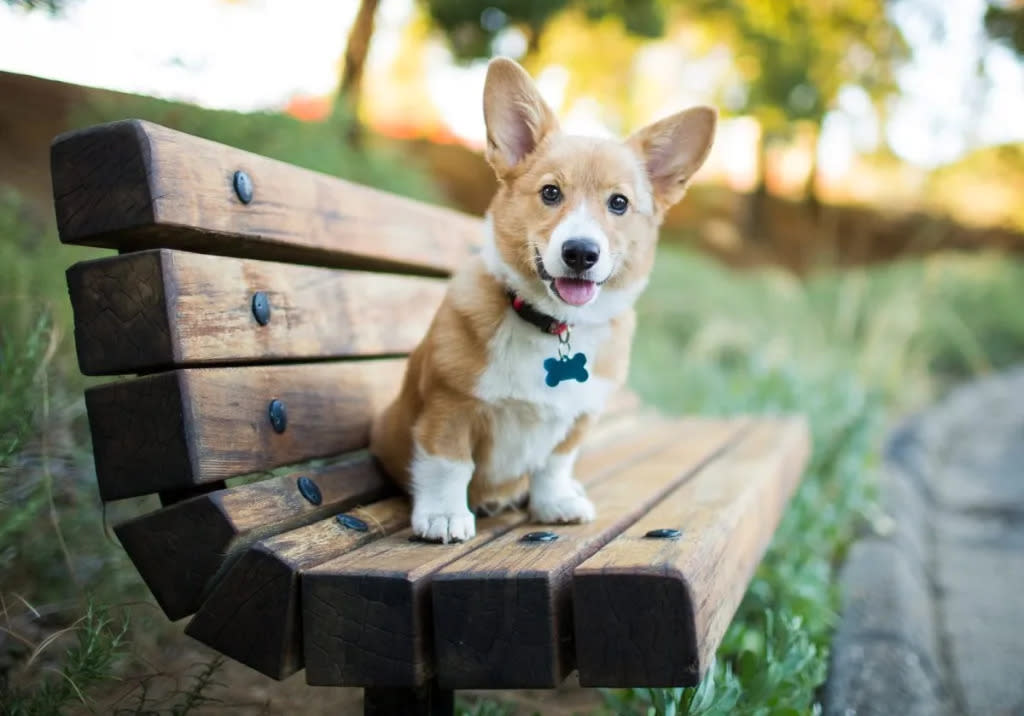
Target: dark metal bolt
[261, 308]
[353, 523]
[309, 490]
[664, 533]
[278, 415]
[243, 186]
[539, 537]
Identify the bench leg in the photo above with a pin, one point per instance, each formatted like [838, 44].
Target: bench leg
[426, 700]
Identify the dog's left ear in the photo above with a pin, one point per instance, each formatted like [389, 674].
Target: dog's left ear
[516, 116]
[673, 149]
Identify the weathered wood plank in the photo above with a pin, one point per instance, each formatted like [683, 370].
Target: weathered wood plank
[503, 614]
[179, 549]
[196, 425]
[134, 185]
[367, 618]
[388, 643]
[233, 598]
[162, 309]
[651, 612]
[252, 614]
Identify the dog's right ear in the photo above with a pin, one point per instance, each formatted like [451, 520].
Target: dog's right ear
[516, 116]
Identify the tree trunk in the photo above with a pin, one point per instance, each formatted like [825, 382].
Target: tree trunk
[754, 225]
[346, 103]
[811, 199]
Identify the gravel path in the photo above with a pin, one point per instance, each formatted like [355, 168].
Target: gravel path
[933, 615]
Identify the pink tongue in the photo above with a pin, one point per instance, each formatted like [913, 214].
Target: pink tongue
[575, 291]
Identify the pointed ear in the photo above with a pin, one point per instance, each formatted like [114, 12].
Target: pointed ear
[516, 116]
[673, 149]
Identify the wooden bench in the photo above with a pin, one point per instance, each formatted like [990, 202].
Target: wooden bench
[265, 310]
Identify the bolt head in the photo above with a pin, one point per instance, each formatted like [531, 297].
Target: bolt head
[539, 537]
[309, 490]
[352, 523]
[261, 308]
[278, 415]
[664, 533]
[243, 186]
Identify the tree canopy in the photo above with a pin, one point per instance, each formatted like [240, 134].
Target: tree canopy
[794, 56]
[1005, 23]
[472, 25]
[53, 6]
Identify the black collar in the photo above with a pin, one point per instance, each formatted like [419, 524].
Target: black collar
[548, 324]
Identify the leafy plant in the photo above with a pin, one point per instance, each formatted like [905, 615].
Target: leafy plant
[100, 644]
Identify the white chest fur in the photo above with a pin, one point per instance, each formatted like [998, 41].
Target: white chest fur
[530, 418]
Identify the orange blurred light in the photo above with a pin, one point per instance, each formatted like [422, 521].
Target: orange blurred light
[308, 109]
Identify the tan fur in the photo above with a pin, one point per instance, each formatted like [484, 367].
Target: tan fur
[437, 408]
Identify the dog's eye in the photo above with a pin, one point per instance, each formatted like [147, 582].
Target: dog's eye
[550, 194]
[617, 204]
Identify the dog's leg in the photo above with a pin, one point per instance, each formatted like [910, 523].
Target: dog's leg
[441, 470]
[554, 495]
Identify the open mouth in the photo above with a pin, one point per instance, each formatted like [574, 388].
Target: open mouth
[574, 291]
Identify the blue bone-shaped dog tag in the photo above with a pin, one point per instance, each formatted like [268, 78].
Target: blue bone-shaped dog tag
[560, 369]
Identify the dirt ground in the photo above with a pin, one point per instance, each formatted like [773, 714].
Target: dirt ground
[241, 691]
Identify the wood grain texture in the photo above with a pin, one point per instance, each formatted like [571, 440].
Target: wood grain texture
[252, 613]
[120, 313]
[502, 614]
[134, 185]
[196, 425]
[161, 309]
[178, 550]
[367, 613]
[652, 612]
[367, 618]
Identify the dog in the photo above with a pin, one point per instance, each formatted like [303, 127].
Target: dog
[535, 331]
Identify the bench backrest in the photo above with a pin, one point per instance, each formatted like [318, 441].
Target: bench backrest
[266, 310]
[205, 231]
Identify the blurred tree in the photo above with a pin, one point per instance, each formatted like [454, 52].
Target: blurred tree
[54, 6]
[346, 101]
[568, 40]
[472, 25]
[1004, 22]
[793, 57]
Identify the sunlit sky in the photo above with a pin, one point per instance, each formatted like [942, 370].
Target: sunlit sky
[258, 54]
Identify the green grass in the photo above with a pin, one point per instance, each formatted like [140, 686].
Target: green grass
[851, 351]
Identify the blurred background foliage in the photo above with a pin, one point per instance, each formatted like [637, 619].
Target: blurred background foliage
[847, 280]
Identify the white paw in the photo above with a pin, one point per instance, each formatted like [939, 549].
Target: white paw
[444, 527]
[571, 505]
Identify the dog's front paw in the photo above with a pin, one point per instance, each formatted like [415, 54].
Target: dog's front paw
[572, 505]
[444, 527]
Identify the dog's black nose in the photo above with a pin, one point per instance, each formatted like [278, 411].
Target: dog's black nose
[580, 254]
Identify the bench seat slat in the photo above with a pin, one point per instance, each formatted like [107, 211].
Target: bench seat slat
[252, 614]
[225, 620]
[161, 309]
[196, 425]
[367, 614]
[502, 614]
[177, 550]
[651, 612]
[135, 185]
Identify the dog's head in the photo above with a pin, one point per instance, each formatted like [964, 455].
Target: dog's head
[575, 219]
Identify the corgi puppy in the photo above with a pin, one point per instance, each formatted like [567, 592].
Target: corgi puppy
[534, 333]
